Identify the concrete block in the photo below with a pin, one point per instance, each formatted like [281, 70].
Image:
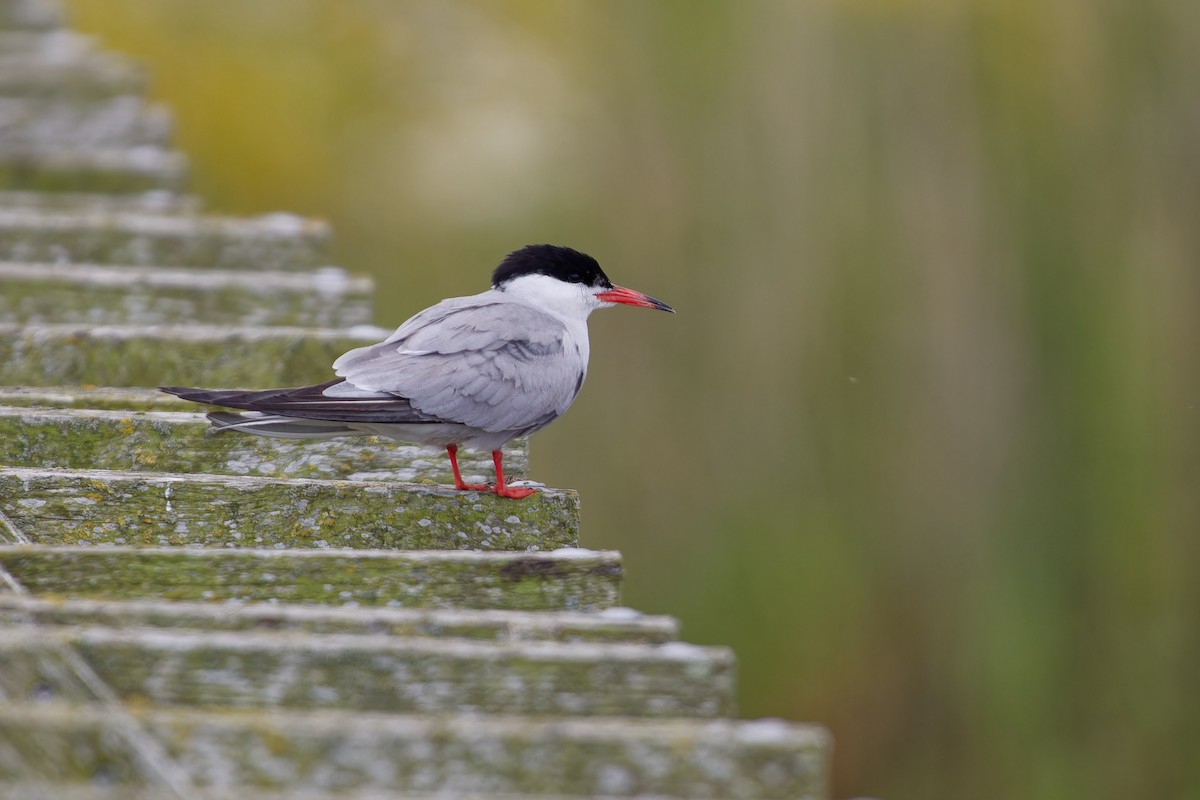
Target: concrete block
[574, 580]
[96, 507]
[269, 242]
[57, 168]
[157, 441]
[104, 122]
[150, 202]
[34, 15]
[448, 755]
[120, 295]
[187, 355]
[92, 397]
[68, 68]
[370, 673]
[610, 625]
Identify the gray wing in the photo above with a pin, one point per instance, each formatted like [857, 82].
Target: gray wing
[493, 365]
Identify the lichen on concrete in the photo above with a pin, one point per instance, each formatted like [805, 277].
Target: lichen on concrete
[94, 507]
[157, 441]
[151, 202]
[92, 397]
[376, 673]
[65, 67]
[238, 751]
[113, 170]
[80, 121]
[56, 355]
[271, 242]
[610, 625]
[450, 579]
[29, 15]
[117, 295]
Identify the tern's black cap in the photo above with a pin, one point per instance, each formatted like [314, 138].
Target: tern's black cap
[569, 266]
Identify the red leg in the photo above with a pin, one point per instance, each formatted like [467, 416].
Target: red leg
[452, 451]
[503, 489]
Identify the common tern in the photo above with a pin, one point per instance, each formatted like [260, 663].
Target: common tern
[472, 372]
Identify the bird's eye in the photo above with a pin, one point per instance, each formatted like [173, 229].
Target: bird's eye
[575, 277]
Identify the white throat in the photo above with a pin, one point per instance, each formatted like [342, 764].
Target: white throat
[573, 301]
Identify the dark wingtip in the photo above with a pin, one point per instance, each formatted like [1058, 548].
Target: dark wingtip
[189, 393]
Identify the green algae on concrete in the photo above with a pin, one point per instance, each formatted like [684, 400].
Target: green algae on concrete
[82, 74]
[151, 202]
[610, 625]
[238, 751]
[34, 293]
[92, 397]
[378, 673]
[78, 122]
[91, 507]
[192, 355]
[55, 168]
[575, 580]
[29, 15]
[176, 442]
[269, 242]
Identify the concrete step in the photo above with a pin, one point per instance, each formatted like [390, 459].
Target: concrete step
[104, 122]
[560, 580]
[93, 397]
[51, 791]
[63, 67]
[33, 15]
[151, 202]
[188, 355]
[99, 507]
[329, 750]
[297, 670]
[163, 441]
[270, 242]
[328, 297]
[48, 44]
[610, 625]
[57, 168]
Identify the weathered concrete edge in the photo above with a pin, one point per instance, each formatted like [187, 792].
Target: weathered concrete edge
[230, 748]
[76, 506]
[155, 355]
[170, 441]
[614, 624]
[108, 398]
[571, 579]
[375, 673]
[328, 282]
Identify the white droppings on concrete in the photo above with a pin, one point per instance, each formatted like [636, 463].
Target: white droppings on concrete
[330, 281]
[620, 614]
[765, 731]
[575, 552]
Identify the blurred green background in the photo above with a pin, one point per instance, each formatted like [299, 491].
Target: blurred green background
[923, 442]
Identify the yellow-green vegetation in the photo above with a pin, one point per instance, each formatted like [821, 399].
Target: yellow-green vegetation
[922, 442]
